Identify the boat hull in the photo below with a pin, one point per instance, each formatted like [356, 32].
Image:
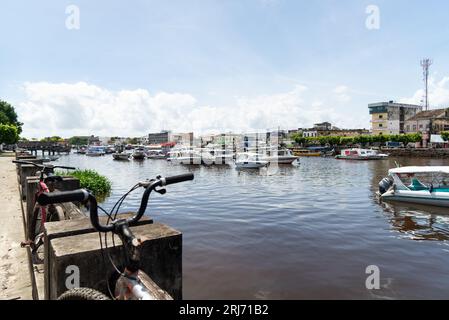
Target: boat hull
[120, 156]
[281, 159]
[357, 158]
[250, 165]
[440, 199]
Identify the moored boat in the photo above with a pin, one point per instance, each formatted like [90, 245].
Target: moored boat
[186, 156]
[360, 154]
[139, 153]
[422, 185]
[300, 152]
[121, 156]
[95, 151]
[249, 160]
[281, 156]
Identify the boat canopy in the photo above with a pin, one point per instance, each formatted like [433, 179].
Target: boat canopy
[427, 169]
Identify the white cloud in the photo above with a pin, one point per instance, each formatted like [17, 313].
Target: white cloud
[81, 109]
[341, 94]
[438, 94]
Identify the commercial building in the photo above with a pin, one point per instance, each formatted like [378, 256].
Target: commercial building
[159, 137]
[432, 121]
[390, 117]
[326, 129]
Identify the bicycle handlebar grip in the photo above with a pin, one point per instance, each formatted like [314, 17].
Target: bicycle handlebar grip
[64, 167]
[179, 178]
[62, 196]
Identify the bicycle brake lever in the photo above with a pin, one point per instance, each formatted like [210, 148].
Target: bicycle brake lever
[161, 191]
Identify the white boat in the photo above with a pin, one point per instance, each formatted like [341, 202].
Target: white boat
[95, 151]
[216, 156]
[281, 156]
[121, 156]
[139, 153]
[361, 154]
[249, 160]
[153, 153]
[184, 155]
[423, 185]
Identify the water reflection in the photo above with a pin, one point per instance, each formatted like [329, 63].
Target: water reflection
[418, 222]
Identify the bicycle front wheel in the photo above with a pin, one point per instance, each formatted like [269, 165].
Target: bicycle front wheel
[83, 294]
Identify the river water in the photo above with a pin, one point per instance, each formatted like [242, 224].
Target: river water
[301, 232]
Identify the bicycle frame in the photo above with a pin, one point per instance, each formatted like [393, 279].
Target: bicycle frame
[130, 286]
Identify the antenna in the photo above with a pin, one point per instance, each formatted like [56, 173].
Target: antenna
[425, 64]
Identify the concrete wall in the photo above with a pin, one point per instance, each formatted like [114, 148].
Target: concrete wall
[161, 257]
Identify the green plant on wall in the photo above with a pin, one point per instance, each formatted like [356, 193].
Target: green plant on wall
[91, 180]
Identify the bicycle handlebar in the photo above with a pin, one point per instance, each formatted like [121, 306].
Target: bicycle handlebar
[43, 166]
[82, 195]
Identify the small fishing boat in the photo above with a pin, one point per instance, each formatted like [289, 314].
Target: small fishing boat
[298, 152]
[139, 153]
[95, 151]
[329, 153]
[422, 185]
[249, 160]
[361, 154]
[155, 153]
[121, 156]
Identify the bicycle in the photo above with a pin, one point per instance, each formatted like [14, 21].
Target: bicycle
[132, 283]
[42, 214]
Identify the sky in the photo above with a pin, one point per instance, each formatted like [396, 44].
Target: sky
[134, 67]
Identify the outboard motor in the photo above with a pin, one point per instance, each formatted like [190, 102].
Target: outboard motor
[385, 184]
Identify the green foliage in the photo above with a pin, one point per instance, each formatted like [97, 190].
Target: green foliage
[132, 140]
[9, 116]
[52, 139]
[91, 180]
[445, 135]
[79, 141]
[8, 134]
[298, 138]
[364, 139]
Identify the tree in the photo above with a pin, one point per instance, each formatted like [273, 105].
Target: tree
[133, 141]
[445, 135]
[79, 141]
[52, 139]
[9, 116]
[8, 134]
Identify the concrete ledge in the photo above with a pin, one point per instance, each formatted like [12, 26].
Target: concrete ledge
[161, 259]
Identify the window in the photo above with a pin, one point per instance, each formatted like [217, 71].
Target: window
[414, 127]
[408, 128]
[380, 125]
[420, 126]
[381, 116]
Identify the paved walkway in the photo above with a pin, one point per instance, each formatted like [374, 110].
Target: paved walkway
[14, 273]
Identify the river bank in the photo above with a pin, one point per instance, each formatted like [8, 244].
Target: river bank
[419, 153]
[14, 275]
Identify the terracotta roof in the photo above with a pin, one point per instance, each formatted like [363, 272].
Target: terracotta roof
[423, 115]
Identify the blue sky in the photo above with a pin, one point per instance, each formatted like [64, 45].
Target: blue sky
[232, 55]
